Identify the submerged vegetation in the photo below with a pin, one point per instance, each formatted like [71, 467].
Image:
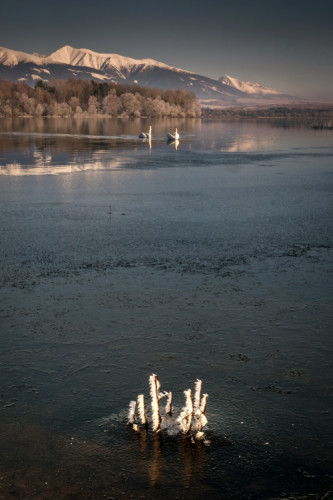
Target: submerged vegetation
[81, 98]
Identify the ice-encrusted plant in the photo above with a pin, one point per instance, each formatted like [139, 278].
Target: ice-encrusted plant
[190, 421]
[154, 384]
[131, 415]
[140, 401]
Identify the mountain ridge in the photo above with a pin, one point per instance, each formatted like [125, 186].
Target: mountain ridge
[254, 88]
[69, 62]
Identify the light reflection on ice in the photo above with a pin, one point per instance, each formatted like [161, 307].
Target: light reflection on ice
[248, 144]
[43, 166]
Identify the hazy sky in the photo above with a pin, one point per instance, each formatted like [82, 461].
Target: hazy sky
[286, 44]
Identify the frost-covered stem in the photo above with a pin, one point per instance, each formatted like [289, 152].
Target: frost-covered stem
[154, 387]
[168, 406]
[141, 409]
[189, 408]
[197, 394]
[185, 418]
[131, 413]
[162, 395]
[199, 419]
[200, 422]
[203, 404]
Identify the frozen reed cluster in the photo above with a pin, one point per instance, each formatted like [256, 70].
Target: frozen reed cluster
[191, 420]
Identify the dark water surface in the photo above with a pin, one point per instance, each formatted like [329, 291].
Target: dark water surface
[215, 262]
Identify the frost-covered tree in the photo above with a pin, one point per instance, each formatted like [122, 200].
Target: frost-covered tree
[39, 110]
[111, 103]
[130, 104]
[62, 109]
[70, 97]
[7, 110]
[74, 102]
[93, 105]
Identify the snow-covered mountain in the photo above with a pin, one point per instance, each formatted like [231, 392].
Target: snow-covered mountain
[86, 64]
[91, 59]
[248, 87]
[69, 56]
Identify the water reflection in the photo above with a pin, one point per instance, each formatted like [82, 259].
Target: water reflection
[42, 158]
[223, 272]
[169, 453]
[148, 141]
[173, 142]
[45, 168]
[54, 146]
[248, 144]
[97, 126]
[193, 460]
[156, 463]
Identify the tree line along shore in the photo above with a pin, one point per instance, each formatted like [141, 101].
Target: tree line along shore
[84, 98]
[317, 116]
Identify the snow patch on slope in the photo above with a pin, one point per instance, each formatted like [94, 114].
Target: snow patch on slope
[10, 57]
[248, 87]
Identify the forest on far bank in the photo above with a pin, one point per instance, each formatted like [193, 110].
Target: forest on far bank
[86, 98]
[83, 98]
[316, 115]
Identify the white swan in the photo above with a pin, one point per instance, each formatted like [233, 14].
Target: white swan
[145, 135]
[174, 136]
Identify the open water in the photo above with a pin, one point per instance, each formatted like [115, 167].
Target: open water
[210, 259]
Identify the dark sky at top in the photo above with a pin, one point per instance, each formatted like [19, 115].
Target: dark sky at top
[286, 44]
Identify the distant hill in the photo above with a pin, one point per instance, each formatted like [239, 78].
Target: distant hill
[85, 64]
[249, 87]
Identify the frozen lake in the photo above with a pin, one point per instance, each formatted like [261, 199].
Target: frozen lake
[210, 259]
